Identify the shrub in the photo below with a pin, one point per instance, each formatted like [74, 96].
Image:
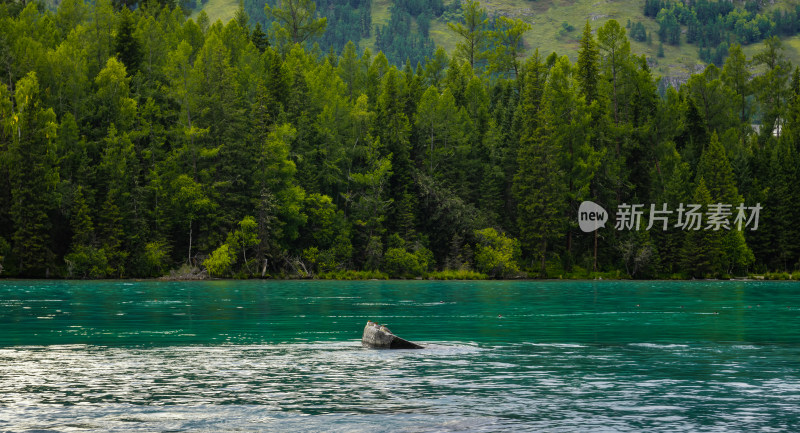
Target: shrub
[219, 263]
[87, 262]
[156, 256]
[462, 274]
[496, 254]
[399, 263]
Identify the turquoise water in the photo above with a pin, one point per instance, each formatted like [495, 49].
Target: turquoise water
[500, 356]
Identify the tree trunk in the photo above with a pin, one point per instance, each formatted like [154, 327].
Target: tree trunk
[190, 242]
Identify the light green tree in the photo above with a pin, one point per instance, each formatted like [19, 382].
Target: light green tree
[472, 33]
[507, 40]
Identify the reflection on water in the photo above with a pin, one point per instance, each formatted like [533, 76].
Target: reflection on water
[564, 357]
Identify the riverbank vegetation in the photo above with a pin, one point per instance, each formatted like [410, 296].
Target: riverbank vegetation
[134, 142]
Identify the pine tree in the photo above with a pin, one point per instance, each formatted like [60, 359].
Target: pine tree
[538, 187]
[33, 175]
[701, 248]
[587, 66]
[259, 38]
[615, 49]
[393, 128]
[730, 249]
[539, 184]
[715, 168]
[126, 45]
[736, 76]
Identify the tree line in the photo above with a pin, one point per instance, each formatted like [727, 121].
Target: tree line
[133, 142]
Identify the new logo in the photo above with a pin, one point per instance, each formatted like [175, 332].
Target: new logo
[591, 216]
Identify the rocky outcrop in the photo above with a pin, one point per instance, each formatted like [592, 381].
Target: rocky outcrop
[380, 337]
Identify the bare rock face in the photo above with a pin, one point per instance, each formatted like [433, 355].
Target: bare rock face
[380, 337]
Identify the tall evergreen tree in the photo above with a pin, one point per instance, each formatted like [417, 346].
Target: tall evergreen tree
[33, 175]
[126, 45]
[701, 248]
[588, 67]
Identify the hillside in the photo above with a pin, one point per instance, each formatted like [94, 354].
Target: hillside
[556, 26]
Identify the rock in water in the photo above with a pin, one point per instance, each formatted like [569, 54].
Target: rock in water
[380, 337]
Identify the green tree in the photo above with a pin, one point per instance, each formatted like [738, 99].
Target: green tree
[299, 19]
[114, 104]
[243, 239]
[472, 32]
[736, 76]
[33, 175]
[126, 45]
[496, 254]
[771, 87]
[588, 73]
[393, 128]
[701, 248]
[729, 249]
[539, 190]
[615, 50]
[219, 263]
[508, 45]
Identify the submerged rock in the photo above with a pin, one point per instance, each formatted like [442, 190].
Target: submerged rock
[380, 337]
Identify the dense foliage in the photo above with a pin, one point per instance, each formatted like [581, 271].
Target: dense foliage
[135, 142]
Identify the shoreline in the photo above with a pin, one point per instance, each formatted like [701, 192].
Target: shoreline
[162, 279]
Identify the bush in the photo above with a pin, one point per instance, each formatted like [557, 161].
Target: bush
[399, 263]
[353, 275]
[87, 262]
[457, 275]
[219, 263]
[638, 32]
[156, 256]
[495, 254]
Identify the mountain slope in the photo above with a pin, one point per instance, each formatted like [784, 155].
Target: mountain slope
[556, 27]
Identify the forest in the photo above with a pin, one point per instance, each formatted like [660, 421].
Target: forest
[135, 142]
[713, 25]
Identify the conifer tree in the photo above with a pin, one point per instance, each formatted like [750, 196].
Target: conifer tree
[472, 32]
[587, 66]
[701, 248]
[33, 175]
[126, 45]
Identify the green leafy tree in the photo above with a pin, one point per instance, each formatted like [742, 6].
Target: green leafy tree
[84, 259]
[393, 128]
[496, 254]
[219, 263]
[539, 181]
[507, 39]
[771, 87]
[398, 262]
[243, 239]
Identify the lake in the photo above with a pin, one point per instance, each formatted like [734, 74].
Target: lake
[501, 356]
